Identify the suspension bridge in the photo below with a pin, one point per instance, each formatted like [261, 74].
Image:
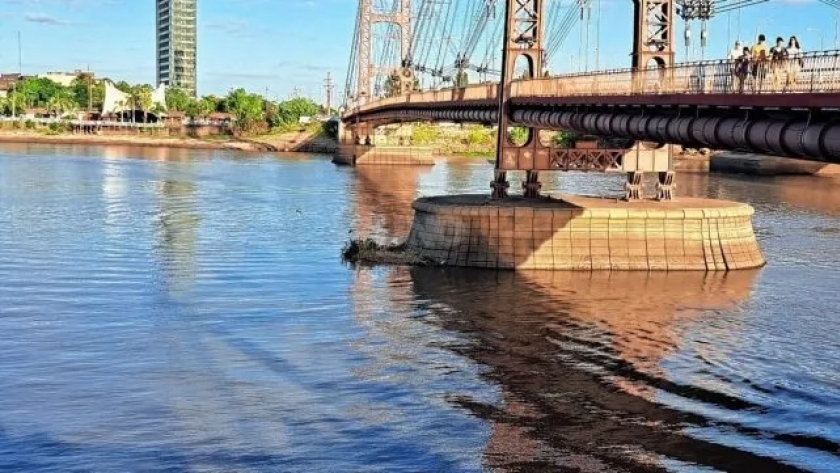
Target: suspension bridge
[488, 62]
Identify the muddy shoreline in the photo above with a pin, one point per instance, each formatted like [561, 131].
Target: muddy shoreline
[256, 144]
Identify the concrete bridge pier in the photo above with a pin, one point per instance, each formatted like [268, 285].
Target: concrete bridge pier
[358, 146]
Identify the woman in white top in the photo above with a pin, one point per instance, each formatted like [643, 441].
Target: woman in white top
[794, 57]
[733, 58]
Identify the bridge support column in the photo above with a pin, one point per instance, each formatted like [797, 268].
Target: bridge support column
[523, 39]
[532, 185]
[499, 185]
[633, 186]
[665, 186]
[647, 157]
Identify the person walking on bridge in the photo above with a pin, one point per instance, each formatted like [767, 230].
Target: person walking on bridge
[742, 69]
[733, 58]
[759, 53]
[795, 62]
[778, 63]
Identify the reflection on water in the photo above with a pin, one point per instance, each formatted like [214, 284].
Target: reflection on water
[557, 344]
[187, 310]
[384, 196]
[176, 223]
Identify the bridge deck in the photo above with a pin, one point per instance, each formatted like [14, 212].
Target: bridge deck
[812, 82]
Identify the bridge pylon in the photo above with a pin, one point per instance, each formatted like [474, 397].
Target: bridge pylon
[368, 17]
[653, 46]
[522, 40]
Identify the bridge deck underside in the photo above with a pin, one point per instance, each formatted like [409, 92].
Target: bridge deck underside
[799, 125]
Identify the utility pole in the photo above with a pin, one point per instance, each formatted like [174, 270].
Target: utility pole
[328, 91]
[90, 91]
[20, 77]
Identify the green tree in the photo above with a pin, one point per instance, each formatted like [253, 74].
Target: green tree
[206, 106]
[61, 102]
[124, 86]
[462, 79]
[159, 110]
[36, 92]
[518, 135]
[246, 108]
[143, 100]
[564, 139]
[392, 86]
[299, 107]
[79, 89]
[191, 110]
[177, 99]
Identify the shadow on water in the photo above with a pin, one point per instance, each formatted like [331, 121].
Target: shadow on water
[577, 358]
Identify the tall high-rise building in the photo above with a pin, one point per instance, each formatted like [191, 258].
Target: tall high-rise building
[176, 44]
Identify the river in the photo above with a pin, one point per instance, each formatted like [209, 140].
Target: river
[186, 310]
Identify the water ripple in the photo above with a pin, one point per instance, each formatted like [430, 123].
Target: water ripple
[187, 310]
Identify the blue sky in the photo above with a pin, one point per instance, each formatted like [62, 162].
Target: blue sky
[256, 44]
[279, 45]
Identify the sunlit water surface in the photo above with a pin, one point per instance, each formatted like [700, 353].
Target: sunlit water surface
[188, 311]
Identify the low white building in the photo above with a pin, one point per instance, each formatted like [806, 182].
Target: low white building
[64, 78]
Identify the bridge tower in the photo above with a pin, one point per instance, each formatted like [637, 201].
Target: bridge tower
[653, 46]
[368, 16]
[653, 38]
[523, 39]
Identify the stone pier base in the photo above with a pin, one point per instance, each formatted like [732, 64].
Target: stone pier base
[358, 155]
[584, 233]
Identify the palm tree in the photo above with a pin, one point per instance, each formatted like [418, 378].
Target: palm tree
[141, 98]
[61, 102]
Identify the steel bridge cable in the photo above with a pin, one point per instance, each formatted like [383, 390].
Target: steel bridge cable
[449, 22]
[567, 24]
[433, 12]
[354, 53]
[419, 25]
[484, 14]
[473, 35]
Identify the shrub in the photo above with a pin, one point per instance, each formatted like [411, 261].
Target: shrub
[479, 136]
[424, 134]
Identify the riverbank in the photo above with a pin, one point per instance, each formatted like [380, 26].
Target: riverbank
[307, 142]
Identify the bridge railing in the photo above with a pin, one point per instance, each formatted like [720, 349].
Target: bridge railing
[817, 72]
[811, 73]
[473, 92]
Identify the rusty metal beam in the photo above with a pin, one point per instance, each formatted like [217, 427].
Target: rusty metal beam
[523, 39]
[653, 33]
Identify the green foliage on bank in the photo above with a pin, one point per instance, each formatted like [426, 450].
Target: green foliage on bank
[250, 112]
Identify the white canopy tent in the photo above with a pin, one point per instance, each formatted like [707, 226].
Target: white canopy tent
[117, 101]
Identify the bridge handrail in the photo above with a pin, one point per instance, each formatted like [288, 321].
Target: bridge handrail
[814, 72]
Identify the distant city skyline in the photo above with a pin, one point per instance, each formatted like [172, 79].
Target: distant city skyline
[275, 47]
